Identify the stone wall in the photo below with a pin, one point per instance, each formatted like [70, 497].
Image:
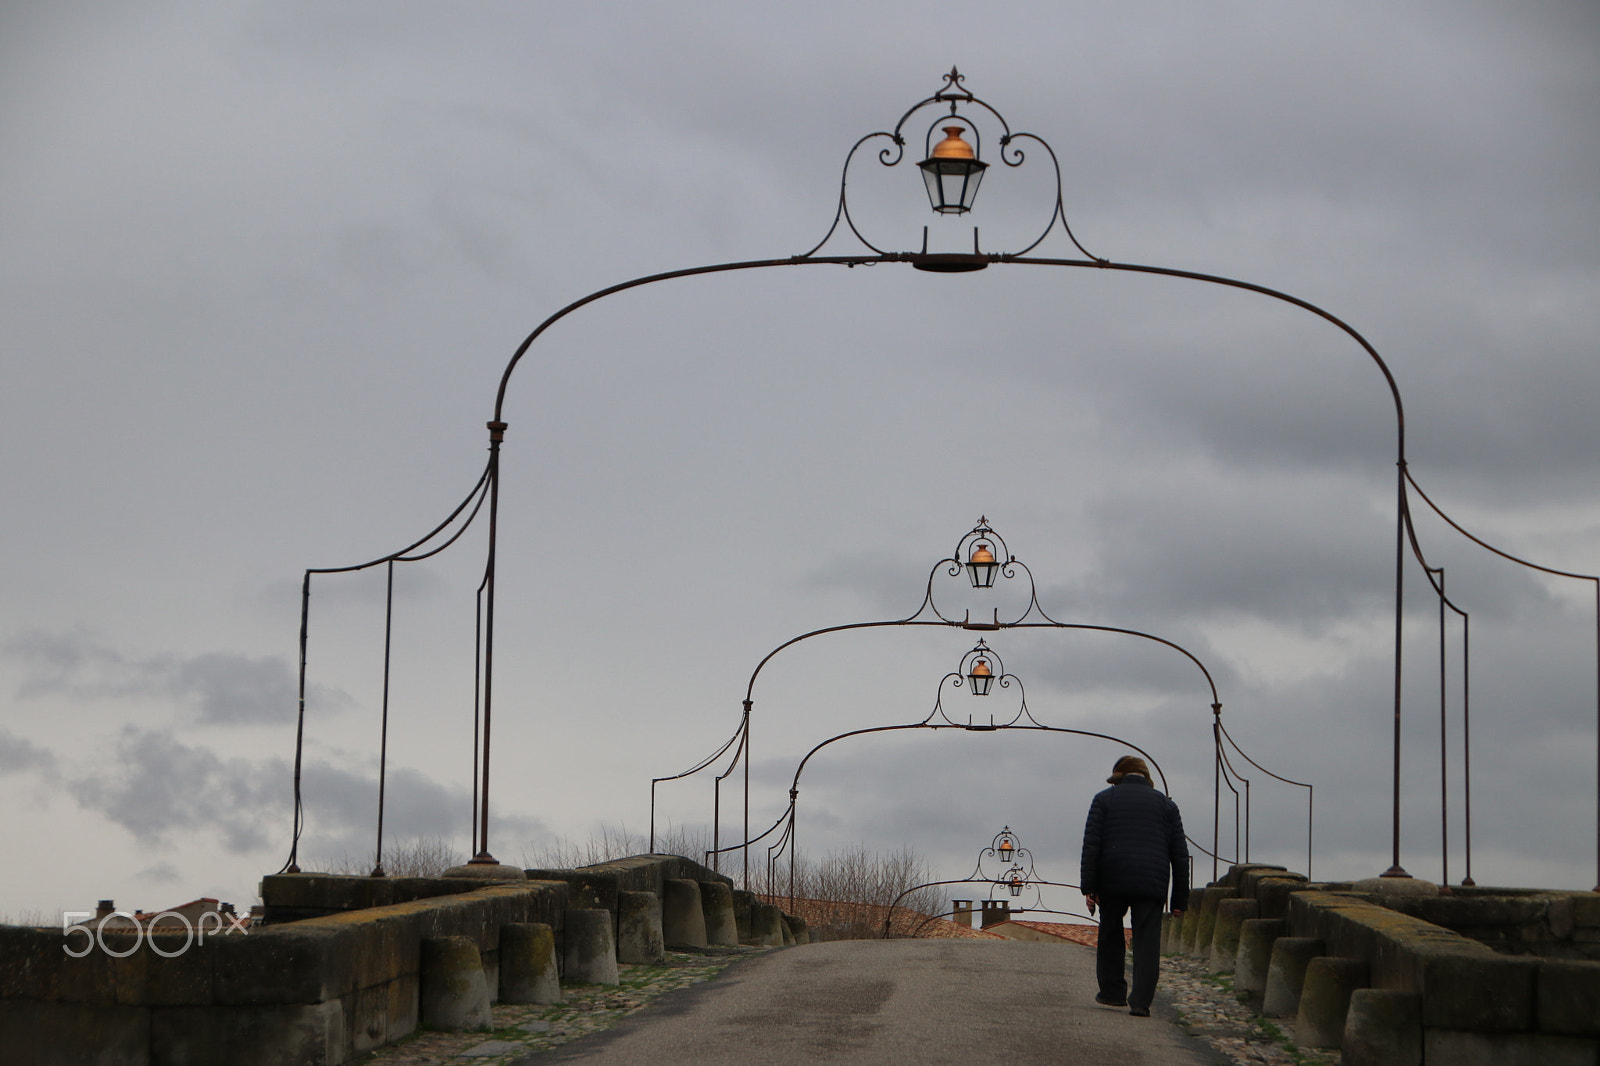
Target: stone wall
[1363, 966]
[1552, 925]
[337, 970]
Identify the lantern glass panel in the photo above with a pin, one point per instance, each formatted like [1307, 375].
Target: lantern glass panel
[952, 183]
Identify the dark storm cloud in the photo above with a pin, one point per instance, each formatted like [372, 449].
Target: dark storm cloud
[225, 688]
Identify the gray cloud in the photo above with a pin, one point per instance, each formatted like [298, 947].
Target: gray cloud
[161, 788]
[223, 688]
[274, 257]
[18, 754]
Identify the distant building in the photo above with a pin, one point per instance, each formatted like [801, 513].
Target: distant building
[1046, 932]
[172, 919]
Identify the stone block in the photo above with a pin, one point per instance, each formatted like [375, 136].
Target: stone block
[1250, 881]
[1256, 937]
[313, 891]
[1231, 914]
[454, 994]
[1274, 893]
[1460, 1048]
[366, 1018]
[87, 979]
[1207, 922]
[1382, 1028]
[1569, 997]
[639, 936]
[313, 1034]
[1478, 992]
[280, 964]
[1487, 914]
[473, 916]
[766, 925]
[73, 1034]
[182, 977]
[1561, 918]
[1286, 974]
[1191, 917]
[528, 970]
[593, 890]
[405, 1004]
[797, 929]
[1237, 874]
[30, 962]
[742, 902]
[683, 922]
[1586, 910]
[716, 904]
[1325, 999]
[590, 952]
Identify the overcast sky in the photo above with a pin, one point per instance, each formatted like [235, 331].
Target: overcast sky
[263, 265]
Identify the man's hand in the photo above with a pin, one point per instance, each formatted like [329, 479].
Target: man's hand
[1092, 900]
[1177, 913]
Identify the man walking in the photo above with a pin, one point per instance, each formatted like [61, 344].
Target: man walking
[1132, 842]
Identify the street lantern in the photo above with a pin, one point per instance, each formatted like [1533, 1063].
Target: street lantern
[1008, 845]
[978, 670]
[1016, 882]
[982, 565]
[980, 676]
[952, 172]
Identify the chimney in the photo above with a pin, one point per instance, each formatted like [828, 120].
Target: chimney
[963, 912]
[104, 907]
[996, 911]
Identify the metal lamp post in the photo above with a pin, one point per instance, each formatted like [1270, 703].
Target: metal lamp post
[952, 170]
[982, 540]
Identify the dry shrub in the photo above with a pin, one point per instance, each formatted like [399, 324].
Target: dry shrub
[419, 857]
[610, 842]
[847, 894]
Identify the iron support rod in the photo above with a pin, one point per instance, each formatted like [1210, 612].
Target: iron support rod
[1466, 741]
[383, 735]
[497, 431]
[1216, 795]
[1396, 870]
[293, 866]
[744, 751]
[1444, 765]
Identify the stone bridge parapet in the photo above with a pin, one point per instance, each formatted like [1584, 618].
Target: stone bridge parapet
[1402, 973]
[341, 965]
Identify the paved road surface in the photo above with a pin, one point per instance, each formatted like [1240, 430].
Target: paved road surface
[888, 1002]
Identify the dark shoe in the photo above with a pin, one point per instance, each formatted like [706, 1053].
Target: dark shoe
[1139, 1012]
[1109, 1001]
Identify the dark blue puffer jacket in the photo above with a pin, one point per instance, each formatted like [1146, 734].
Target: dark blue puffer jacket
[1132, 843]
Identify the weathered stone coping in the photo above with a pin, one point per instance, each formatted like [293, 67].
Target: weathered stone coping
[1390, 956]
